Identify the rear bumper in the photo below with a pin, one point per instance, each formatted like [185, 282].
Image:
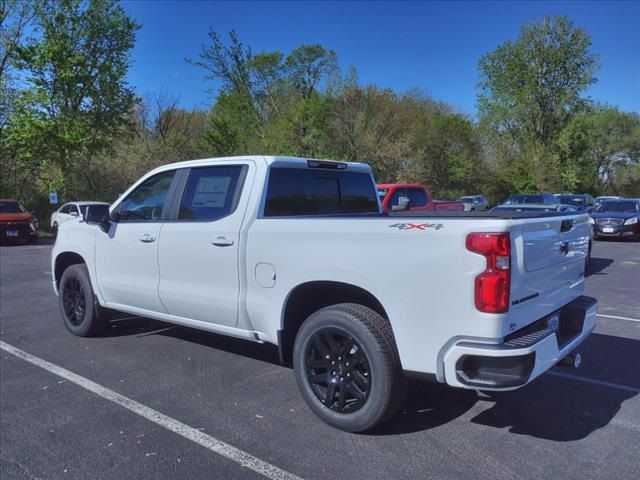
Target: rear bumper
[524, 355]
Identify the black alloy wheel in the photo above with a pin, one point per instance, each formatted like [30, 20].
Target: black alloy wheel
[338, 370]
[347, 366]
[78, 305]
[74, 302]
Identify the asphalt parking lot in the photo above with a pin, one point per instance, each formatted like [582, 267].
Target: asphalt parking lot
[569, 424]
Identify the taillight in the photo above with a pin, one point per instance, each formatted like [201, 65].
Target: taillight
[492, 285]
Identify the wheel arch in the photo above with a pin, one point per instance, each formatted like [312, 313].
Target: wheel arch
[309, 297]
[63, 261]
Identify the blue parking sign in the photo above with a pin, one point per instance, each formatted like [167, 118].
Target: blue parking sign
[53, 198]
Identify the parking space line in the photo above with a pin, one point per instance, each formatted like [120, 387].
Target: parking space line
[615, 317]
[596, 382]
[234, 454]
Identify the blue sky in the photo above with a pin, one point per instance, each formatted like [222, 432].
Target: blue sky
[433, 46]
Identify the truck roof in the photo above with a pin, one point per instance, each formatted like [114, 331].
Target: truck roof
[268, 159]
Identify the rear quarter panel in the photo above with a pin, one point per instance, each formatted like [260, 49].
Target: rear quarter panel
[419, 270]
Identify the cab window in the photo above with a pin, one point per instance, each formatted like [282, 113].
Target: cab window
[395, 197]
[417, 197]
[146, 202]
[211, 193]
[297, 191]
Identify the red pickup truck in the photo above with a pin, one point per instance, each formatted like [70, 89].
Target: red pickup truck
[412, 197]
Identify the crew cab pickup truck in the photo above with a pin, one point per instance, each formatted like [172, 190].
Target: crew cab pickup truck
[300, 254]
[396, 197]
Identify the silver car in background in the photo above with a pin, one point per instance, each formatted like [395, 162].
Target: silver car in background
[474, 203]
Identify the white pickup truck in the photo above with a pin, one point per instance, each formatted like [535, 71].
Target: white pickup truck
[298, 253]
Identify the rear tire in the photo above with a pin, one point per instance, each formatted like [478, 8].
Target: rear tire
[78, 305]
[347, 367]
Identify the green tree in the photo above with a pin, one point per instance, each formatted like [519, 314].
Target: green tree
[15, 17]
[77, 98]
[533, 84]
[596, 147]
[530, 88]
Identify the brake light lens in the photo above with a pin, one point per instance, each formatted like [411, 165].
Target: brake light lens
[492, 285]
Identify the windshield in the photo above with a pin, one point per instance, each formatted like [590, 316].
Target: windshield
[617, 206]
[524, 199]
[11, 207]
[575, 200]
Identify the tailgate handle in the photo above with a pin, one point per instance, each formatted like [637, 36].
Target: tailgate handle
[566, 225]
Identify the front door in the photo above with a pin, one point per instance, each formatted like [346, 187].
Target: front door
[127, 255]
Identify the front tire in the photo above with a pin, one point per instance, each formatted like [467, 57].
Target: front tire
[347, 367]
[79, 308]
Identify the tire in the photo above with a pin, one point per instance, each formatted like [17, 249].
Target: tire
[54, 229]
[78, 305]
[587, 261]
[365, 385]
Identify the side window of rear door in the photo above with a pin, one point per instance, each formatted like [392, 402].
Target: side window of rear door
[211, 193]
[417, 197]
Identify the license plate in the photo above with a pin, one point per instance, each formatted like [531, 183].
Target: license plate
[607, 230]
[12, 233]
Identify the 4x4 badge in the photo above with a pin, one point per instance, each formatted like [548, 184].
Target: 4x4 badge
[417, 226]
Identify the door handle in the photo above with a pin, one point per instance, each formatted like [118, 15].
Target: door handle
[147, 238]
[222, 242]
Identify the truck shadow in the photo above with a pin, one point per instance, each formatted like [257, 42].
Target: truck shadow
[597, 265]
[139, 326]
[568, 405]
[553, 407]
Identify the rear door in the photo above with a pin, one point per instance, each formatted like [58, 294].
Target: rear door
[199, 248]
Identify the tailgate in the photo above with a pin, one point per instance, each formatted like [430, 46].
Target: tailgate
[548, 259]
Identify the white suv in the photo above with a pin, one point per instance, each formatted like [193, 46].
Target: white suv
[70, 211]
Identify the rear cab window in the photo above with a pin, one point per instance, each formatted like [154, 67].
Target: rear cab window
[417, 197]
[302, 192]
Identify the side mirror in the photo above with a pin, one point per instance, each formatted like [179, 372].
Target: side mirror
[73, 214]
[98, 215]
[403, 204]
